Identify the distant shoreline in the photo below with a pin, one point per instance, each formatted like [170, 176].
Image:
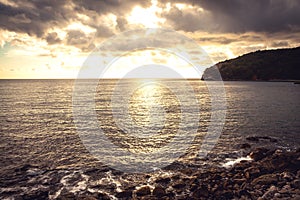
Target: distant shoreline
[153, 79]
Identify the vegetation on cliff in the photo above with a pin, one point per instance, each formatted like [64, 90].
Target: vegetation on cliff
[280, 64]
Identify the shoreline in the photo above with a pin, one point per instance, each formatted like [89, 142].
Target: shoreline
[270, 174]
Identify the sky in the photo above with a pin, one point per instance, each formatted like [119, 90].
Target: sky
[53, 38]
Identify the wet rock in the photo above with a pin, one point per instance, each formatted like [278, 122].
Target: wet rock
[252, 139]
[243, 192]
[268, 138]
[287, 176]
[259, 154]
[145, 190]
[259, 138]
[285, 189]
[25, 167]
[269, 194]
[266, 179]
[159, 191]
[245, 146]
[108, 186]
[124, 194]
[217, 177]
[240, 181]
[83, 197]
[296, 184]
[175, 166]
[241, 165]
[163, 180]
[200, 192]
[273, 140]
[36, 194]
[92, 196]
[65, 195]
[252, 172]
[179, 185]
[226, 195]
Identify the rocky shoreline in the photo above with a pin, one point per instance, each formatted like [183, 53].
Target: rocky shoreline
[271, 174]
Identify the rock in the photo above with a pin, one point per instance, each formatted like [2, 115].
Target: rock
[287, 176]
[217, 177]
[245, 146]
[124, 194]
[66, 195]
[269, 194]
[252, 172]
[252, 139]
[179, 185]
[258, 138]
[241, 166]
[296, 184]
[159, 191]
[266, 179]
[273, 140]
[145, 190]
[200, 192]
[103, 196]
[285, 189]
[25, 168]
[171, 195]
[277, 195]
[163, 180]
[240, 181]
[243, 192]
[259, 154]
[36, 194]
[227, 195]
[87, 197]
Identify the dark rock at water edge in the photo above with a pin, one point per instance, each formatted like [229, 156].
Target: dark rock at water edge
[272, 174]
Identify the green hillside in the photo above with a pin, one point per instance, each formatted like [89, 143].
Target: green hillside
[280, 64]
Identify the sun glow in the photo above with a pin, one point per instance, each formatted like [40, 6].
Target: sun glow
[125, 64]
[146, 17]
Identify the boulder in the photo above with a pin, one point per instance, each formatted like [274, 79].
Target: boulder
[266, 179]
[159, 191]
[145, 190]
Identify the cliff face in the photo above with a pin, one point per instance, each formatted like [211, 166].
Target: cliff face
[280, 64]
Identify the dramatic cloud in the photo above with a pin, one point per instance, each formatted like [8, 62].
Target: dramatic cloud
[50, 32]
[36, 17]
[240, 16]
[33, 17]
[108, 17]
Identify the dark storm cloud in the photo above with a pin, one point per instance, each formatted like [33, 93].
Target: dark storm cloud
[243, 15]
[188, 20]
[35, 17]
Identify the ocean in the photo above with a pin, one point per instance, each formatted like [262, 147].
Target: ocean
[42, 135]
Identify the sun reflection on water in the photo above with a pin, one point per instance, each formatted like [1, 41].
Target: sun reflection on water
[146, 104]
